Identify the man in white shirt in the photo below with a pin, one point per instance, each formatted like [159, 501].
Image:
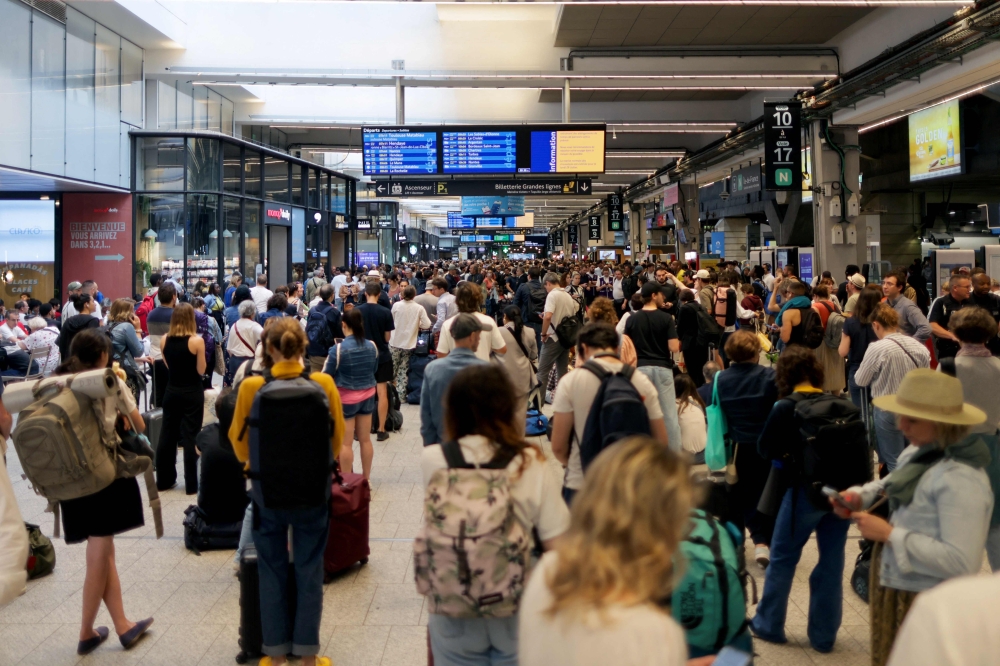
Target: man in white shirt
[72, 289]
[339, 280]
[768, 278]
[558, 305]
[446, 308]
[89, 287]
[260, 294]
[469, 298]
[575, 395]
[12, 341]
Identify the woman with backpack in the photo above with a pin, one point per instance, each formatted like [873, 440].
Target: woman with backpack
[98, 517]
[597, 598]
[352, 364]
[799, 377]
[520, 362]
[834, 379]
[694, 350]
[82, 320]
[486, 474]
[409, 318]
[184, 400]
[308, 498]
[939, 496]
[857, 335]
[125, 332]
[691, 416]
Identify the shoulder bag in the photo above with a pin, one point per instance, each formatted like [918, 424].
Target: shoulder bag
[715, 445]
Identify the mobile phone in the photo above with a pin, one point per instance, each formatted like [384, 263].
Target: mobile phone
[732, 657]
[837, 498]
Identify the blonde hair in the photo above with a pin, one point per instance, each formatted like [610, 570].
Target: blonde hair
[182, 323]
[626, 525]
[286, 336]
[121, 310]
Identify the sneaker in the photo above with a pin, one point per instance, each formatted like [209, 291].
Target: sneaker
[382, 436]
[763, 556]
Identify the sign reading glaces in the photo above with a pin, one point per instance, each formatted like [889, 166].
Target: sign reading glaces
[783, 145]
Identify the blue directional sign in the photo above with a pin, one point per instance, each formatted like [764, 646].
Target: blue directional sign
[399, 151]
[479, 152]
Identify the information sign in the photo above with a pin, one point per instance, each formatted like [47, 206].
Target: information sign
[399, 150]
[595, 228]
[783, 145]
[615, 212]
[479, 152]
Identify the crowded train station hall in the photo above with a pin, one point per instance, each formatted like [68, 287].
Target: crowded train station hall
[499, 333]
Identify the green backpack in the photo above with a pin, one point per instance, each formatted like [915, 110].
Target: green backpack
[709, 602]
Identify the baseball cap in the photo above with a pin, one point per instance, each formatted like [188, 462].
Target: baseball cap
[73, 285]
[650, 288]
[858, 280]
[702, 275]
[464, 326]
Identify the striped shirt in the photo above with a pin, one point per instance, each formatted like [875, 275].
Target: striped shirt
[887, 361]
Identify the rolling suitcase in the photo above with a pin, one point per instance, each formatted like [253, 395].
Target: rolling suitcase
[154, 421]
[251, 634]
[347, 541]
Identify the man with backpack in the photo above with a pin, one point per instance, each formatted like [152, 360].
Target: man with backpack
[530, 298]
[322, 327]
[315, 283]
[556, 342]
[800, 324]
[601, 403]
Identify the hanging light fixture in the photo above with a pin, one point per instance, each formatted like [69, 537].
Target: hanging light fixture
[149, 235]
[226, 233]
[214, 234]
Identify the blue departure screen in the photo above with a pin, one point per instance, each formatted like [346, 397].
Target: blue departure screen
[399, 151]
[543, 152]
[479, 152]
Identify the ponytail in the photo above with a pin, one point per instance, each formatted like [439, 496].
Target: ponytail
[513, 313]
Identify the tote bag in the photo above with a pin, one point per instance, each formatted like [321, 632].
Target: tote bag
[715, 446]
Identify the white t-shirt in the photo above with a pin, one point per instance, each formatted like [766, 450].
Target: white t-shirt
[954, 624]
[338, 282]
[250, 332]
[408, 318]
[260, 295]
[694, 430]
[536, 491]
[561, 305]
[9, 337]
[576, 392]
[641, 635]
[489, 340]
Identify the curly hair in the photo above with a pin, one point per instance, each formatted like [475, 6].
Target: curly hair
[603, 309]
[797, 365]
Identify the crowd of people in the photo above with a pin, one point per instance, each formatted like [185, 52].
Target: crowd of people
[655, 373]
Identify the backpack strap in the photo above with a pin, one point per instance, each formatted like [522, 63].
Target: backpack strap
[453, 455]
[268, 377]
[596, 368]
[947, 366]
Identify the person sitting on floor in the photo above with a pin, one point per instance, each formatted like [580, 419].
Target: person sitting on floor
[222, 494]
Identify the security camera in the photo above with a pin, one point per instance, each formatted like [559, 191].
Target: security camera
[941, 238]
[724, 194]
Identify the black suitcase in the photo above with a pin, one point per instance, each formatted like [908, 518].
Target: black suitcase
[154, 421]
[251, 634]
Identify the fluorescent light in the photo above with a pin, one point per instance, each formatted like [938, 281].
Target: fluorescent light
[959, 95]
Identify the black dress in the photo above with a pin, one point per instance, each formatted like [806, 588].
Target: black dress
[116, 509]
[183, 409]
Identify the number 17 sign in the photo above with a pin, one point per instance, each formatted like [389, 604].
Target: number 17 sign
[783, 145]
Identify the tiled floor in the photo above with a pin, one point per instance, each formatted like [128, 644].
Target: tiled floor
[371, 616]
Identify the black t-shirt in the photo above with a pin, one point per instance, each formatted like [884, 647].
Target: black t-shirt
[650, 331]
[222, 487]
[861, 336]
[378, 321]
[940, 314]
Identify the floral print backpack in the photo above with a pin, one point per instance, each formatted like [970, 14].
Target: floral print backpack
[471, 555]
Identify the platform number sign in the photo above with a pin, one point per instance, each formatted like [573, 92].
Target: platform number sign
[783, 145]
[571, 232]
[559, 239]
[615, 212]
[552, 243]
[595, 227]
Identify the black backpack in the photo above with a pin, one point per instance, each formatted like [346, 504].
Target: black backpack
[616, 413]
[813, 332]
[835, 451]
[536, 302]
[709, 331]
[200, 535]
[569, 329]
[317, 329]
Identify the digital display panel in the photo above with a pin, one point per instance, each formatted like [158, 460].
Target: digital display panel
[483, 150]
[399, 151]
[28, 229]
[935, 142]
[457, 221]
[479, 152]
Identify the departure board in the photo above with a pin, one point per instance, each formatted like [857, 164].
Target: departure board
[479, 152]
[399, 151]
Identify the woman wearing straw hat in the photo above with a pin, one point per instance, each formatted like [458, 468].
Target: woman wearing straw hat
[939, 497]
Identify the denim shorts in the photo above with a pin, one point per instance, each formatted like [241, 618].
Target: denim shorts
[366, 406]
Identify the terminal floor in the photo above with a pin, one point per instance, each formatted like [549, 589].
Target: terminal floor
[371, 616]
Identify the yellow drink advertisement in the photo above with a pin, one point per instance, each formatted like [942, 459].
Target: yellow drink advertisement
[935, 142]
[579, 151]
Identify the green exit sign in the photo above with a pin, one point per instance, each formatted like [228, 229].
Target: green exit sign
[783, 177]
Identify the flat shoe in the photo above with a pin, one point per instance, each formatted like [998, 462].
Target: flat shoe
[89, 645]
[130, 637]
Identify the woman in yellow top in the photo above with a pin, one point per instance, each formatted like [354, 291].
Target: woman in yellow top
[285, 342]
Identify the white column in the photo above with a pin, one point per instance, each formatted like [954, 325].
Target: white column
[400, 101]
[565, 101]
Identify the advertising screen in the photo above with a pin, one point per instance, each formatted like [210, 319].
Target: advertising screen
[493, 206]
[28, 230]
[935, 142]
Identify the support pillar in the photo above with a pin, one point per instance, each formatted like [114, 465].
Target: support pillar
[734, 246]
[400, 101]
[565, 101]
[842, 240]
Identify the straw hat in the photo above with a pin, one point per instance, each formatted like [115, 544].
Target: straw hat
[931, 396]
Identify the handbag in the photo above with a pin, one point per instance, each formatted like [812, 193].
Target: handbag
[220, 361]
[732, 478]
[715, 446]
[765, 341]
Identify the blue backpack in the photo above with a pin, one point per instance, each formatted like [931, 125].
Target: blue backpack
[709, 602]
[616, 413]
[537, 424]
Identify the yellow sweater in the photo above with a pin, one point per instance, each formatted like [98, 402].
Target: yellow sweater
[282, 370]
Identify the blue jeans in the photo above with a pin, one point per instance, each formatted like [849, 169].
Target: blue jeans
[473, 641]
[246, 532]
[797, 519]
[284, 635]
[891, 441]
[853, 388]
[663, 380]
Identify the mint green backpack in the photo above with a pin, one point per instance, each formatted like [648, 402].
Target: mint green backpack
[709, 602]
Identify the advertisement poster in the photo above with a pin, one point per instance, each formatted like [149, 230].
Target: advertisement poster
[27, 249]
[935, 142]
[97, 242]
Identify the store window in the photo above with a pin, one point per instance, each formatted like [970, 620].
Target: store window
[298, 172]
[159, 237]
[161, 164]
[48, 96]
[252, 266]
[276, 179]
[338, 192]
[203, 165]
[231, 169]
[251, 174]
[202, 240]
[80, 95]
[232, 215]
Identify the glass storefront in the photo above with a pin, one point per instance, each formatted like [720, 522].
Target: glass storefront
[199, 208]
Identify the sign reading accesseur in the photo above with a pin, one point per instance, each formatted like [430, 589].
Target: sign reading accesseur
[783, 145]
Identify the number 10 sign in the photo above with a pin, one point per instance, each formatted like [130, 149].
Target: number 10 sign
[783, 145]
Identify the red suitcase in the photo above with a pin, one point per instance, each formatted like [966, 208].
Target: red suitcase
[347, 542]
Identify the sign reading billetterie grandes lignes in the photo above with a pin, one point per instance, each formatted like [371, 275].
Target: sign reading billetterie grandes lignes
[783, 145]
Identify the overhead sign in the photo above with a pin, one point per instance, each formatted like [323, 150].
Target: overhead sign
[340, 222]
[505, 149]
[363, 224]
[595, 227]
[615, 212]
[385, 223]
[746, 180]
[317, 217]
[782, 145]
[573, 234]
[278, 214]
[505, 206]
[935, 142]
[496, 187]
[559, 239]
